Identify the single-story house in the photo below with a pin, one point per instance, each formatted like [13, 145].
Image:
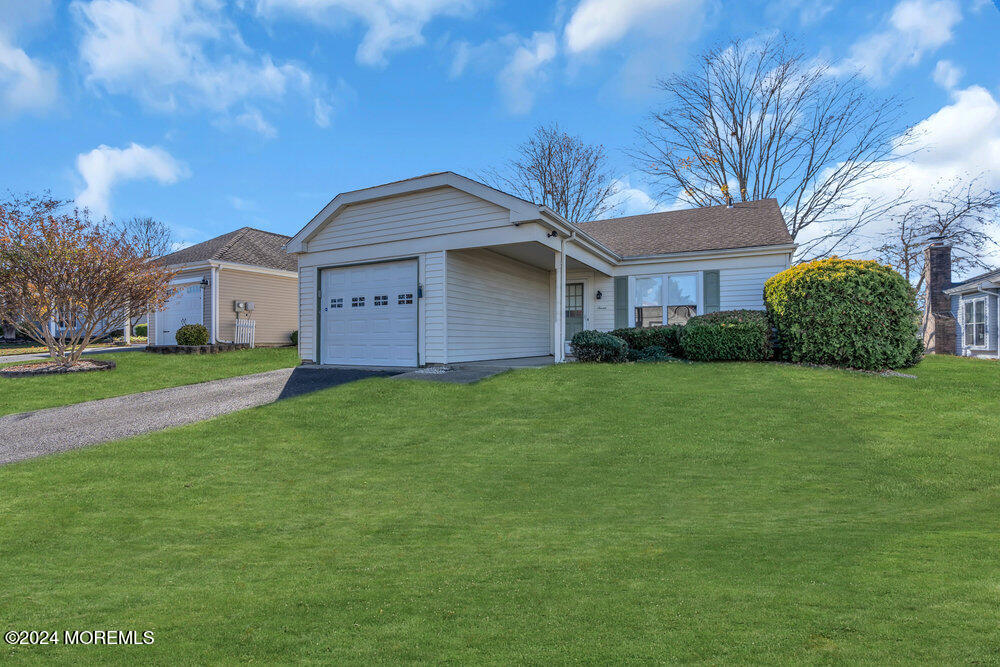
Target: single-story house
[243, 276]
[976, 307]
[959, 318]
[442, 269]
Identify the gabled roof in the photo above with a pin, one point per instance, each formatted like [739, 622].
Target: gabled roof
[745, 225]
[992, 276]
[243, 246]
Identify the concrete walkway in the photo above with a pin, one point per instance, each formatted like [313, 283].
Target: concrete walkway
[30, 434]
[10, 358]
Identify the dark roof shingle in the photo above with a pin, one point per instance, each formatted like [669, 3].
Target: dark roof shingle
[243, 246]
[745, 225]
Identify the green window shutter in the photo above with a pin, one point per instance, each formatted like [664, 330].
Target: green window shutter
[712, 291]
[621, 302]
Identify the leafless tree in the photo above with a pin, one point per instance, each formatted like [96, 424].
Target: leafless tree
[562, 172]
[964, 213]
[152, 237]
[755, 120]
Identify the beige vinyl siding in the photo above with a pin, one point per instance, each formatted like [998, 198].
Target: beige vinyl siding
[307, 313]
[744, 288]
[433, 303]
[497, 307]
[411, 216]
[206, 305]
[275, 305]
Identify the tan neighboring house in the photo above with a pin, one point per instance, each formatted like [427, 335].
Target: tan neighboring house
[244, 275]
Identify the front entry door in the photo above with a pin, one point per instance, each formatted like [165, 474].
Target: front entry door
[574, 309]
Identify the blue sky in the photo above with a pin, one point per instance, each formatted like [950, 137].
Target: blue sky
[213, 115]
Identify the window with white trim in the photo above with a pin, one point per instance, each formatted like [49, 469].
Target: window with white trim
[675, 295]
[975, 323]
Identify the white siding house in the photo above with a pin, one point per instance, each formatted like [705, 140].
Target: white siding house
[442, 269]
[976, 309]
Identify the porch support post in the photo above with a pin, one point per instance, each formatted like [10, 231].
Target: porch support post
[559, 353]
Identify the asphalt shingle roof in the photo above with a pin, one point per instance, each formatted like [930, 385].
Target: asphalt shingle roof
[992, 275]
[745, 225]
[243, 246]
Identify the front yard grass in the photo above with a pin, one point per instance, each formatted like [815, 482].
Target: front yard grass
[655, 513]
[136, 372]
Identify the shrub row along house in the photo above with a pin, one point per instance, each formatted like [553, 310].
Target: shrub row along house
[243, 276]
[442, 269]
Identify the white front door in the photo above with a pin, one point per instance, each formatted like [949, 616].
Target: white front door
[368, 314]
[184, 307]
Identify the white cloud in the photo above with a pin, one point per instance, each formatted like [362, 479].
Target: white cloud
[252, 119]
[26, 83]
[916, 28]
[596, 24]
[633, 200]
[178, 54]
[392, 25]
[947, 74]
[525, 71]
[104, 167]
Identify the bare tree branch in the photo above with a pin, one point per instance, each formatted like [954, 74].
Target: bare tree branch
[560, 171]
[756, 121]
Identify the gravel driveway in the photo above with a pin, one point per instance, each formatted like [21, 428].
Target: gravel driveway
[30, 434]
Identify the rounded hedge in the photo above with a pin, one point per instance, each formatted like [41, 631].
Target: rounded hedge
[141, 330]
[192, 334]
[639, 338]
[598, 346]
[294, 337]
[843, 312]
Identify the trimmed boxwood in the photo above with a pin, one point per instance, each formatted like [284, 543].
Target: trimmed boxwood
[721, 340]
[665, 337]
[842, 312]
[598, 346]
[294, 336]
[192, 334]
[141, 330]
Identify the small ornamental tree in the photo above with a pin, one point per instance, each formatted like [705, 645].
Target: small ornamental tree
[65, 280]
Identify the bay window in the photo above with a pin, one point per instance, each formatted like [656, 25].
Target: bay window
[975, 323]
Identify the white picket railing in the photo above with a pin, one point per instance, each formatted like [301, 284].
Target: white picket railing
[244, 332]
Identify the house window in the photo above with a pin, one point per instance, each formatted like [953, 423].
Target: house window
[381, 300]
[649, 301]
[336, 303]
[357, 302]
[677, 293]
[975, 323]
[682, 298]
[404, 299]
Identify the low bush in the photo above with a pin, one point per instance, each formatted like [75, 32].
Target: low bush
[653, 353]
[598, 346]
[916, 356]
[638, 338]
[294, 336]
[192, 334]
[720, 340]
[729, 316]
[840, 312]
[141, 330]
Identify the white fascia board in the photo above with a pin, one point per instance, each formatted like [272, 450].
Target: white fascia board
[520, 210]
[725, 253]
[253, 268]
[580, 237]
[971, 288]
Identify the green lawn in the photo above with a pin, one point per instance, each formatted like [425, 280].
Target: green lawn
[137, 371]
[721, 513]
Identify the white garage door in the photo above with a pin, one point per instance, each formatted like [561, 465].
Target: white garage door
[369, 314]
[184, 307]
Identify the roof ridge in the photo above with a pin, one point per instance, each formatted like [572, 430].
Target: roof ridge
[238, 234]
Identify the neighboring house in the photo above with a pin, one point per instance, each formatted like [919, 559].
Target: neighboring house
[247, 265]
[960, 318]
[442, 269]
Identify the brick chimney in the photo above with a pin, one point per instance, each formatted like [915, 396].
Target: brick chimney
[939, 325]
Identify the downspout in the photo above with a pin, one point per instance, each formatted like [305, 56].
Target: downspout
[215, 304]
